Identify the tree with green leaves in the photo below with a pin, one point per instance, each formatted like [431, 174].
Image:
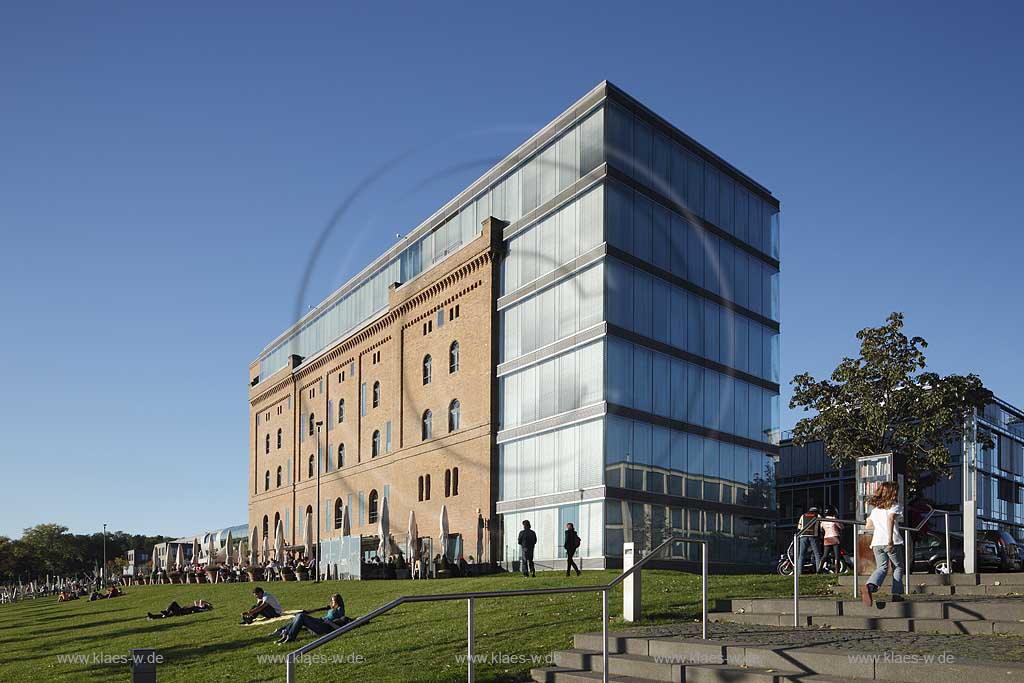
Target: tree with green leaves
[886, 401]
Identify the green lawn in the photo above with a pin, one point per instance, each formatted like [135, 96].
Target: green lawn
[418, 642]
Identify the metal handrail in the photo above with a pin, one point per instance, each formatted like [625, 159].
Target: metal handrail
[483, 595]
[798, 556]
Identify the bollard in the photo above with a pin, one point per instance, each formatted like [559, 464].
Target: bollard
[143, 663]
[631, 605]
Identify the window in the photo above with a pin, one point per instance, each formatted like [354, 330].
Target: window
[454, 410]
[447, 483]
[428, 429]
[376, 394]
[373, 507]
[440, 318]
[375, 447]
[426, 487]
[312, 466]
[279, 438]
[339, 514]
[428, 365]
[455, 481]
[277, 521]
[453, 312]
[312, 424]
[266, 482]
[341, 455]
[419, 488]
[268, 443]
[278, 476]
[453, 358]
[266, 520]
[341, 410]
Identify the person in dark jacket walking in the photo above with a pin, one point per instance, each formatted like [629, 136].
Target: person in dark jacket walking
[571, 545]
[528, 541]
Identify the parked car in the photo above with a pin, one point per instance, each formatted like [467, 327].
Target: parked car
[930, 553]
[1010, 559]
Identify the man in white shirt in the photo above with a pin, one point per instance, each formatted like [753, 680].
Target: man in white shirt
[266, 606]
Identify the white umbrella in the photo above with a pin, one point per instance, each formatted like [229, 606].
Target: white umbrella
[211, 550]
[413, 537]
[279, 542]
[254, 547]
[383, 529]
[156, 559]
[346, 524]
[195, 550]
[228, 549]
[180, 559]
[444, 530]
[479, 536]
[265, 550]
[307, 536]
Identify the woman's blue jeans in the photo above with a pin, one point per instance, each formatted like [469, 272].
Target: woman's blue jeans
[882, 560]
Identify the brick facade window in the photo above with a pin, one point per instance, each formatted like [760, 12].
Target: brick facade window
[375, 446]
[428, 369]
[427, 427]
[454, 415]
[453, 358]
[374, 500]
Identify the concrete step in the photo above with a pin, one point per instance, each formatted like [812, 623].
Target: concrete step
[949, 626]
[947, 590]
[987, 579]
[558, 674]
[697, 673]
[991, 610]
[795, 663]
[620, 665]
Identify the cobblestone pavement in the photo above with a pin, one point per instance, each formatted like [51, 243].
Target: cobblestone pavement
[974, 647]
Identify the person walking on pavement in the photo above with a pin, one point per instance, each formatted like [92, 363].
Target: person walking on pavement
[810, 538]
[571, 545]
[886, 543]
[528, 541]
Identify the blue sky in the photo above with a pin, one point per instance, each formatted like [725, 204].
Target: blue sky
[165, 170]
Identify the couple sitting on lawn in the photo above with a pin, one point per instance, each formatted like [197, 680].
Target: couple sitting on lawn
[268, 607]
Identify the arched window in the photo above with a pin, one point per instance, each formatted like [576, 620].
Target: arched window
[426, 488]
[428, 365]
[455, 481]
[341, 410]
[375, 446]
[454, 414]
[312, 424]
[339, 514]
[268, 443]
[278, 438]
[279, 476]
[277, 521]
[419, 484]
[376, 394]
[312, 466]
[453, 357]
[447, 483]
[266, 483]
[428, 428]
[373, 506]
[341, 455]
[266, 524]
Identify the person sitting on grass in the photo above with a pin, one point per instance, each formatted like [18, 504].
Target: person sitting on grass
[334, 620]
[176, 610]
[65, 596]
[266, 606]
[112, 593]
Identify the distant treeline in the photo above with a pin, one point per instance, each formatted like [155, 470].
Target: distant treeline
[51, 549]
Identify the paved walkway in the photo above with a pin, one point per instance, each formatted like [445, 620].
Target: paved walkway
[991, 648]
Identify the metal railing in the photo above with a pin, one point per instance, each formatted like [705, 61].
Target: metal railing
[470, 597]
[907, 551]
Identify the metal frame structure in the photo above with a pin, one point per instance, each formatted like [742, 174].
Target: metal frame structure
[471, 597]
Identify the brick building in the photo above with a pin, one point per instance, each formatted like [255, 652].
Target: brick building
[587, 333]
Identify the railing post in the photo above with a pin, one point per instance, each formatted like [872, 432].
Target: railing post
[797, 561]
[604, 636]
[289, 669]
[856, 570]
[704, 589]
[906, 552]
[949, 564]
[471, 666]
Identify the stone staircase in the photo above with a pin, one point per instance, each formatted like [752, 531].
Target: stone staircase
[839, 640]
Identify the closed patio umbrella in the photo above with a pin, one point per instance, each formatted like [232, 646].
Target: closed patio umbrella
[279, 542]
[383, 529]
[195, 551]
[211, 550]
[228, 549]
[254, 547]
[479, 536]
[444, 531]
[265, 550]
[179, 563]
[346, 523]
[156, 560]
[413, 541]
[307, 536]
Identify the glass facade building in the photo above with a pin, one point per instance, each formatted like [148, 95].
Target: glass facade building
[638, 325]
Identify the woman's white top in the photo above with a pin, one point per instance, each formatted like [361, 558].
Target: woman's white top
[880, 520]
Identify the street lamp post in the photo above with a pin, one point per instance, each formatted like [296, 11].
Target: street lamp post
[319, 467]
[103, 572]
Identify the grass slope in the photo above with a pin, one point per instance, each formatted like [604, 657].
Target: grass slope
[413, 643]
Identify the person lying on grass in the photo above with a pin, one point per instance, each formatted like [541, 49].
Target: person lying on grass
[266, 606]
[334, 620]
[176, 610]
[112, 593]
